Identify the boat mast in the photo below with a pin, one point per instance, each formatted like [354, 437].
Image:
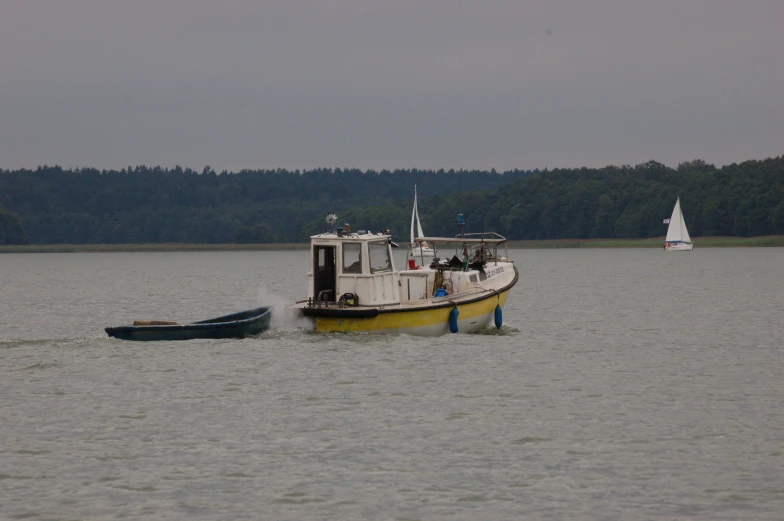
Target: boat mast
[683, 223]
[420, 233]
[414, 215]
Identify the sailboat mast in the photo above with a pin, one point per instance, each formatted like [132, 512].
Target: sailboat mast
[683, 223]
[413, 215]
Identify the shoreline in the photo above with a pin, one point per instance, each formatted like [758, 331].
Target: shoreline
[656, 242]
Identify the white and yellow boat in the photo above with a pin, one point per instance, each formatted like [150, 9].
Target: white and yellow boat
[354, 287]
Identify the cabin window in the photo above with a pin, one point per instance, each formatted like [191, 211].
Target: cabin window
[325, 257]
[352, 257]
[473, 278]
[379, 256]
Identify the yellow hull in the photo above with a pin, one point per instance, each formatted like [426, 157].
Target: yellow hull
[473, 317]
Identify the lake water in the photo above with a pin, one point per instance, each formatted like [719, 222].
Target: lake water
[625, 384]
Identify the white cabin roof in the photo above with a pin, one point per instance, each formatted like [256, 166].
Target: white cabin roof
[350, 236]
[459, 240]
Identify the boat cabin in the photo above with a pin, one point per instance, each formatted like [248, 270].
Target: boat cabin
[357, 269]
[352, 269]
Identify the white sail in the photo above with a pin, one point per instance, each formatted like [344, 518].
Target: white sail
[676, 231]
[423, 248]
[420, 234]
[415, 218]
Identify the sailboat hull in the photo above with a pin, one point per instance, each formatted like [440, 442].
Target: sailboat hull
[423, 251]
[679, 247]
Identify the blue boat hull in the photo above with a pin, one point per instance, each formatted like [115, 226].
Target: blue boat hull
[237, 325]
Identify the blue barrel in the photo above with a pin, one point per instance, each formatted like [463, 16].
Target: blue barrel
[453, 320]
[499, 316]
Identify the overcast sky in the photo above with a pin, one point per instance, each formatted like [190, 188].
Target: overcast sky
[389, 84]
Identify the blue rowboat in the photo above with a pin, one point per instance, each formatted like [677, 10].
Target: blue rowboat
[236, 325]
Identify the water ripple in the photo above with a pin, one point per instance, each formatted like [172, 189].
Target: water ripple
[602, 397]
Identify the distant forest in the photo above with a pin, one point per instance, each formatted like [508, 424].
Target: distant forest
[11, 230]
[157, 205]
[154, 205]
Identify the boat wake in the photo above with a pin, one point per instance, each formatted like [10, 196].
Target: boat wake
[283, 317]
[504, 331]
[42, 365]
[10, 344]
[284, 328]
[49, 342]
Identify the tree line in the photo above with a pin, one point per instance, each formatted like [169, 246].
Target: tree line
[11, 230]
[152, 205]
[744, 199]
[156, 205]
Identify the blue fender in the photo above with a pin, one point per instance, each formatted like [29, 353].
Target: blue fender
[453, 320]
[499, 316]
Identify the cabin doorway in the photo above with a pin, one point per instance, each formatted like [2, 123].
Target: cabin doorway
[324, 274]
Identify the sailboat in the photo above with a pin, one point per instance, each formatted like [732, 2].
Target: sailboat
[677, 235]
[421, 248]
